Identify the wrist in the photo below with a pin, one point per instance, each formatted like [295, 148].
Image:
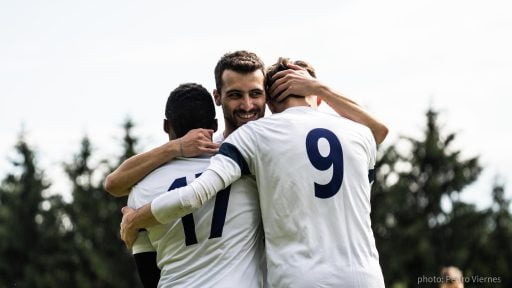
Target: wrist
[172, 149]
[130, 221]
[323, 91]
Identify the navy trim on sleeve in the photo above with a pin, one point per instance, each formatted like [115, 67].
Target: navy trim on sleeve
[229, 150]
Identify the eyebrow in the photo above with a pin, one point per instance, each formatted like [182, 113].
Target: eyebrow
[241, 91]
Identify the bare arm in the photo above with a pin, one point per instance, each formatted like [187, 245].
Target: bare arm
[132, 170]
[297, 81]
[351, 110]
[133, 219]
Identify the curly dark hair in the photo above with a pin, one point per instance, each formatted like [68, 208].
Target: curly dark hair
[190, 106]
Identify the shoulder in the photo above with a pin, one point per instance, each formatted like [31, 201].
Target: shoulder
[218, 137]
[171, 170]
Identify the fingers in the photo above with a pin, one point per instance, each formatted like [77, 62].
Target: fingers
[294, 70]
[284, 80]
[281, 74]
[210, 132]
[199, 133]
[129, 243]
[128, 236]
[283, 95]
[209, 148]
[295, 67]
[207, 132]
[277, 87]
[209, 151]
[281, 91]
[211, 145]
[126, 210]
[200, 145]
[204, 133]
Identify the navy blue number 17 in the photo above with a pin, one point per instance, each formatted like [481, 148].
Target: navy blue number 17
[219, 213]
[334, 159]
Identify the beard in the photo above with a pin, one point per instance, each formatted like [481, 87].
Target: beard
[239, 117]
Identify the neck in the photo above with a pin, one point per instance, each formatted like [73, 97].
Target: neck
[228, 129]
[288, 103]
[295, 102]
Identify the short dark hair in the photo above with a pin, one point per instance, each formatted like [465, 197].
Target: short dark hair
[188, 107]
[239, 61]
[281, 65]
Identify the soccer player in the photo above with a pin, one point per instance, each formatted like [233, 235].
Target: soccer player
[313, 172]
[220, 244]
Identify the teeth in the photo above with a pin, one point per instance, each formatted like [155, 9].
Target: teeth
[246, 115]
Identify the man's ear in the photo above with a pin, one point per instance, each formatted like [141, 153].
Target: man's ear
[312, 101]
[166, 126]
[216, 96]
[318, 101]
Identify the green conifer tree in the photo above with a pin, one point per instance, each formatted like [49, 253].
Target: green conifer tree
[407, 203]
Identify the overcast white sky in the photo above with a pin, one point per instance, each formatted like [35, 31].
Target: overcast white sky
[69, 68]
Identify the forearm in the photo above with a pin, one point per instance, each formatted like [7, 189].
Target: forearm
[182, 201]
[143, 218]
[120, 181]
[349, 109]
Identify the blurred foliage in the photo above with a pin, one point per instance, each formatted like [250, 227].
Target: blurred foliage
[419, 222]
[420, 225]
[49, 243]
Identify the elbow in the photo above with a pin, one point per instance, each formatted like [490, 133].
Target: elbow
[381, 133]
[111, 186]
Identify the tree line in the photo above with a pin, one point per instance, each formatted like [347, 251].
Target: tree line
[419, 222]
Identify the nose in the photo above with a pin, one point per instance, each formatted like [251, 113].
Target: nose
[247, 103]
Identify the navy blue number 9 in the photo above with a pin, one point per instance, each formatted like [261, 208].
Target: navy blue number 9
[334, 159]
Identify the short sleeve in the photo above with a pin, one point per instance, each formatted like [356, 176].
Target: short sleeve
[371, 151]
[236, 155]
[142, 243]
[136, 198]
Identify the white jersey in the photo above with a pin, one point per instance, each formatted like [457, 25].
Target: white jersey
[219, 245]
[312, 170]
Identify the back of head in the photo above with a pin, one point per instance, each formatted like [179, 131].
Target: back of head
[238, 61]
[452, 277]
[188, 107]
[281, 65]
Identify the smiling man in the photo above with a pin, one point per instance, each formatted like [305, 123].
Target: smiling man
[239, 90]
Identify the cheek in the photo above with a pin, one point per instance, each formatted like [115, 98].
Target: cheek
[260, 104]
[229, 106]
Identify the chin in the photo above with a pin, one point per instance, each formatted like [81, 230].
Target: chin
[242, 122]
[277, 110]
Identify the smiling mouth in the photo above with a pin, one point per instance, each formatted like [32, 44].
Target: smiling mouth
[247, 115]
